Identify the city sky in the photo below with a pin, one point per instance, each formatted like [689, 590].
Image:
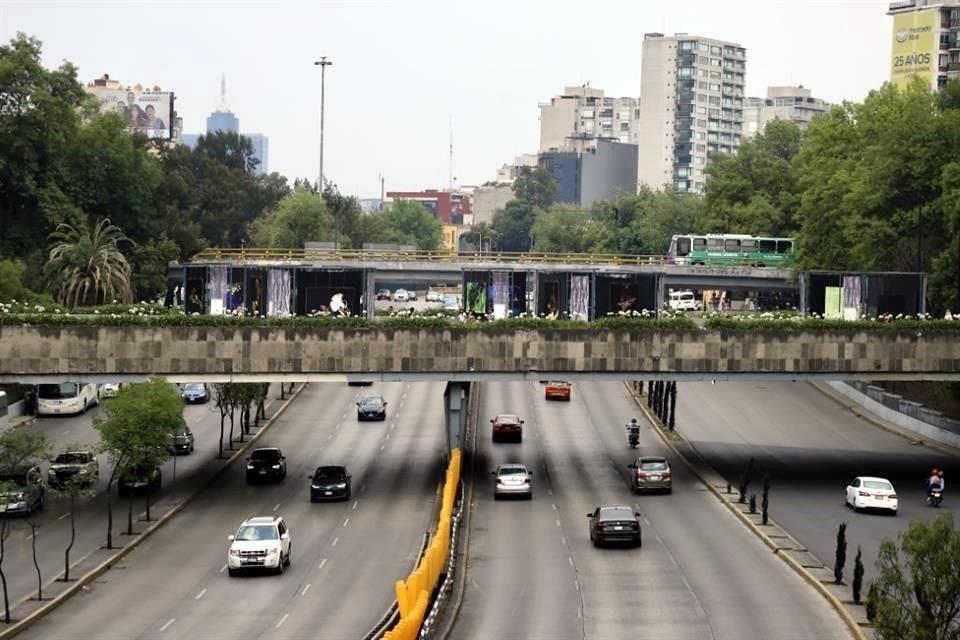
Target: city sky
[403, 71]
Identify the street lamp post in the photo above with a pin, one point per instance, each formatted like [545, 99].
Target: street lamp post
[323, 63]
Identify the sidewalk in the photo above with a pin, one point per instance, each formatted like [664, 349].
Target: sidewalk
[801, 560]
[86, 570]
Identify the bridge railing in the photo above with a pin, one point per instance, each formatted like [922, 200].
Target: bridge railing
[440, 256]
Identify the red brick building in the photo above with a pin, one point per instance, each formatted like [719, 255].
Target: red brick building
[449, 207]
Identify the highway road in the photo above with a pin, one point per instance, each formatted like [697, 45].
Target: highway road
[346, 556]
[534, 574]
[91, 512]
[811, 446]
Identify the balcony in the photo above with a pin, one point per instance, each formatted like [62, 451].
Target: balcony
[953, 66]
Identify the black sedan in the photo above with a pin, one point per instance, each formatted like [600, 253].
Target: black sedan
[331, 482]
[372, 408]
[614, 524]
[266, 464]
[195, 393]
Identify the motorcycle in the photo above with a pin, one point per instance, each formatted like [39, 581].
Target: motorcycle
[934, 497]
[634, 439]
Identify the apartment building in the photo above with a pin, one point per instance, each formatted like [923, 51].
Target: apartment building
[926, 41]
[691, 107]
[796, 104]
[575, 120]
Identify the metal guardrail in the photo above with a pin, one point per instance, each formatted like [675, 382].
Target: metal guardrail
[444, 256]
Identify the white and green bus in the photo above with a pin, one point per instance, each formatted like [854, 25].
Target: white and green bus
[731, 249]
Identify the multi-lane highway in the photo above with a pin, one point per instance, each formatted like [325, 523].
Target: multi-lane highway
[811, 446]
[64, 432]
[345, 556]
[534, 574]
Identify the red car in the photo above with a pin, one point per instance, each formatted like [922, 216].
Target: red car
[507, 426]
[557, 390]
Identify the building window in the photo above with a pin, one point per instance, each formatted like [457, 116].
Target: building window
[701, 148]
[687, 45]
[701, 123]
[701, 135]
[715, 75]
[704, 47]
[715, 62]
[699, 160]
[702, 111]
[685, 72]
[715, 100]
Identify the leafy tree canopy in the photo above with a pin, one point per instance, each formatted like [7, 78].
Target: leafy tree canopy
[411, 223]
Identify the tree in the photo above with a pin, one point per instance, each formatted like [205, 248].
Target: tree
[135, 431]
[918, 586]
[409, 222]
[535, 186]
[513, 226]
[232, 150]
[840, 558]
[345, 211]
[148, 263]
[39, 116]
[561, 229]
[70, 489]
[224, 396]
[857, 575]
[87, 266]
[20, 451]
[11, 280]
[299, 217]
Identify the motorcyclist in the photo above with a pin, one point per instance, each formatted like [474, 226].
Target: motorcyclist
[633, 432]
[935, 482]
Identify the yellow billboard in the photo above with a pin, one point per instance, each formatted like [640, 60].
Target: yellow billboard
[915, 47]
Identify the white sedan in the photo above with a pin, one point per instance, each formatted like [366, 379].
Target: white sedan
[401, 295]
[865, 492]
[110, 390]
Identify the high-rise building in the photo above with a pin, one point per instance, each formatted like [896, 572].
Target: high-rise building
[596, 172]
[586, 115]
[691, 107]
[224, 120]
[782, 103]
[926, 41]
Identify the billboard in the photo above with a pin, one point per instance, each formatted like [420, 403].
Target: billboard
[149, 112]
[915, 47]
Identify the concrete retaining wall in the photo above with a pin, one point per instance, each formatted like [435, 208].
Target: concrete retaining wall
[927, 423]
[460, 354]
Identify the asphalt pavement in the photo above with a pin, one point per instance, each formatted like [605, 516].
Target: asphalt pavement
[811, 447]
[532, 572]
[345, 556]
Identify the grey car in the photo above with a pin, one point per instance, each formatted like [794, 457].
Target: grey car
[650, 473]
[73, 466]
[512, 479]
[615, 523]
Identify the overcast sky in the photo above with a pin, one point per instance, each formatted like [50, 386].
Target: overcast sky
[403, 70]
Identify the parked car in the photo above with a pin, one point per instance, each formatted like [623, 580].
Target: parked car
[359, 383]
[650, 473]
[181, 441]
[412, 294]
[683, 301]
[266, 464]
[383, 294]
[139, 480]
[512, 479]
[372, 408]
[81, 467]
[507, 426]
[330, 482]
[261, 543]
[110, 389]
[557, 390]
[451, 302]
[434, 296]
[25, 493]
[866, 492]
[615, 523]
[401, 295]
[195, 393]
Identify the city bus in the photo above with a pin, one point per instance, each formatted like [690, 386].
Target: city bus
[731, 249]
[66, 397]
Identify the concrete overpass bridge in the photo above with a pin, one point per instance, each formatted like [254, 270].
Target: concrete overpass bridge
[459, 353]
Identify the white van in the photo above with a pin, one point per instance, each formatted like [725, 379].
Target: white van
[683, 301]
[66, 398]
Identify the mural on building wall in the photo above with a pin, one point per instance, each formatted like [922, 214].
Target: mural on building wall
[476, 298]
[580, 297]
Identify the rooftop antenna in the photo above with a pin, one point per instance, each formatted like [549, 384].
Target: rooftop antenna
[223, 93]
[450, 175]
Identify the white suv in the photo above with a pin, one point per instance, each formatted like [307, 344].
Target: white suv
[261, 543]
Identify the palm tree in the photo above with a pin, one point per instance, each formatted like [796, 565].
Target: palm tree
[86, 265]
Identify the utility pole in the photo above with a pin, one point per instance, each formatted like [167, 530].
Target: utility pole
[323, 63]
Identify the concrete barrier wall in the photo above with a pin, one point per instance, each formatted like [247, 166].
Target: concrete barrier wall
[89, 351]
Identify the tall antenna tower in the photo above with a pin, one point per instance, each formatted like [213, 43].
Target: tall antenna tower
[450, 175]
[223, 93]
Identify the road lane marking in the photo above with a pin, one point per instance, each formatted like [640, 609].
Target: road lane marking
[276, 507]
[199, 595]
[282, 620]
[335, 541]
[322, 562]
[558, 523]
[554, 506]
[570, 560]
[576, 585]
[65, 515]
[169, 622]
[550, 492]
[381, 447]
[363, 488]
[330, 437]
[305, 589]
[222, 569]
[354, 504]
[346, 522]
[563, 541]
[388, 435]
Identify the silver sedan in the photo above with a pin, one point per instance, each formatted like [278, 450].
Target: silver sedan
[513, 479]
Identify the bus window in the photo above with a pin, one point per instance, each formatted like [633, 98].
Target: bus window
[700, 244]
[748, 245]
[784, 246]
[731, 246]
[683, 246]
[714, 244]
[768, 246]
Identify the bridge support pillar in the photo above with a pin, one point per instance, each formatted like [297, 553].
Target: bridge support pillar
[455, 402]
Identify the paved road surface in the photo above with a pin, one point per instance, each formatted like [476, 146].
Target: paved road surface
[534, 574]
[811, 446]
